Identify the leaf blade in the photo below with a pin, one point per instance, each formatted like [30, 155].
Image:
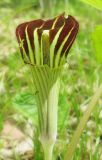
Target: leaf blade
[95, 3]
[81, 126]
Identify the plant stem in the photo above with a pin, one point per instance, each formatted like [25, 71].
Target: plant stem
[48, 137]
[48, 154]
[46, 84]
[48, 151]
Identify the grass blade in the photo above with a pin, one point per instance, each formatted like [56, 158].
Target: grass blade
[95, 3]
[81, 126]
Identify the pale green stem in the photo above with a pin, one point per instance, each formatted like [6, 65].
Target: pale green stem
[53, 109]
[47, 83]
[48, 151]
[48, 139]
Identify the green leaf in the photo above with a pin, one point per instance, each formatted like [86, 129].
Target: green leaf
[95, 3]
[97, 42]
[25, 104]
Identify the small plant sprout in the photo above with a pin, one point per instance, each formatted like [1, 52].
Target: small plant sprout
[44, 46]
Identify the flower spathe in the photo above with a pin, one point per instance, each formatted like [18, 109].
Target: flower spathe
[47, 41]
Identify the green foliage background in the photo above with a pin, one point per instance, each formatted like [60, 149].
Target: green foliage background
[78, 83]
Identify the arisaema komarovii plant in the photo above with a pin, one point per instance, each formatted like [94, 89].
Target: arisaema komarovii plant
[44, 47]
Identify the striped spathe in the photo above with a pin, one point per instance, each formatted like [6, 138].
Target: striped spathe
[47, 41]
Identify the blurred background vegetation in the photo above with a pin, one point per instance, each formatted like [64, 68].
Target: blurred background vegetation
[78, 83]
